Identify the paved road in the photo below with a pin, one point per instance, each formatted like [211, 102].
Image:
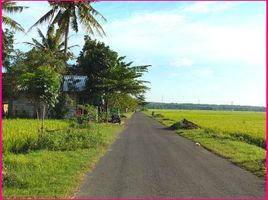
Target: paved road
[149, 161]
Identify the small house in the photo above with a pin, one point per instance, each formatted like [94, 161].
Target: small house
[21, 106]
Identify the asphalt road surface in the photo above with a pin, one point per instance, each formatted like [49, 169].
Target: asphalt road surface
[149, 161]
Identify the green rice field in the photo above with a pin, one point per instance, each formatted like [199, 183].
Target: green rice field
[22, 133]
[238, 136]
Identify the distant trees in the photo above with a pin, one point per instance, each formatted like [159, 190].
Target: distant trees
[122, 102]
[189, 106]
[141, 101]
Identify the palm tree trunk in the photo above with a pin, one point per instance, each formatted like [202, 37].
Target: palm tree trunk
[66, 37]
[107, 111]
[43, 118]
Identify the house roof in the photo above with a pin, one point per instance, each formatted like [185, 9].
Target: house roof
[74, 83]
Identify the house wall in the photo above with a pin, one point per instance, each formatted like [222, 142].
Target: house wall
[23, 108]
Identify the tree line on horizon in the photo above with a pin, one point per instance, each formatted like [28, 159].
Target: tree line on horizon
[190, 106]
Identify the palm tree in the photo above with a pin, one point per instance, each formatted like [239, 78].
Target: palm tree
[66, 14]
[10, 7]
[51, 43]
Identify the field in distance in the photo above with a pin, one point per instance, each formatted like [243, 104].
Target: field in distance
[238, 136]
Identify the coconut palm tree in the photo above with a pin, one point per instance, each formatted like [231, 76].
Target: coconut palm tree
[51, 43]
[11, 7]
[69, 14]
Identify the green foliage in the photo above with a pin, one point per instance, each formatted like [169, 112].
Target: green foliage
[141, 101]
[108, 73]
[42, 85]
[7, 48]
[89, 112]
[60, 110]
[36, 58]
[121, 102]
[51, 44]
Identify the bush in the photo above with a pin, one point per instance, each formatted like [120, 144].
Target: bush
[90, 112]
[71, 139]
[184, 124]
[158, 116]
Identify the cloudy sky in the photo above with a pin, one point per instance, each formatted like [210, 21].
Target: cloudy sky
[207, 52]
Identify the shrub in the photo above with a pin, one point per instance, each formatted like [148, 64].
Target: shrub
[158, 116]
[71, 139]
[184, 124]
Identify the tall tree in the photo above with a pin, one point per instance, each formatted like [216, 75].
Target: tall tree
[107, 73]
[69, 14]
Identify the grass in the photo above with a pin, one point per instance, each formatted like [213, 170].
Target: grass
[55, 169]
[237, 136]
[22, 134]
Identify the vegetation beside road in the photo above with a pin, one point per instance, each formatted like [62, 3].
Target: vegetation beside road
[51, 166]
[237, 136]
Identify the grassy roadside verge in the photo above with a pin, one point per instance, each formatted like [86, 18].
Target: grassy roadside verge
[239, 151]
[46, 173]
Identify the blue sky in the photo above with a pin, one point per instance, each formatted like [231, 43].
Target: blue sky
[207, 52]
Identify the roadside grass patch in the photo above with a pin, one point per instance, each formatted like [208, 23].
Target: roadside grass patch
[238, 136]
[55, 165]
[243, 154]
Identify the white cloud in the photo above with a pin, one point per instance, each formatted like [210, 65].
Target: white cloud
[183, 62]
[206, 7]
[204, 72]
[164, 35]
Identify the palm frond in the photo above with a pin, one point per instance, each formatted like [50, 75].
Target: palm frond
[41, 35]
[89, 21]
[38, 44]
[14, 9]
[88, 6]
[83, 20]
[11, 7]
[12, 23]
[43, 19]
